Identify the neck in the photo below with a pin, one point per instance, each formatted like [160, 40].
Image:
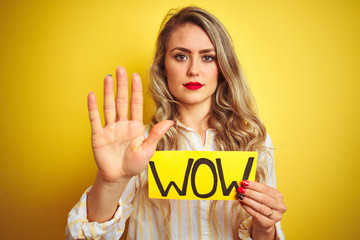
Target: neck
[195, 117]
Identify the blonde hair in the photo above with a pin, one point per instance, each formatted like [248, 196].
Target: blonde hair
[233, 115]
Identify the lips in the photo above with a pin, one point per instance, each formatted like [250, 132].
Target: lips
[193, 85]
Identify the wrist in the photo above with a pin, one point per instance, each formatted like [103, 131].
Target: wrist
[111, 185]
[103, 198]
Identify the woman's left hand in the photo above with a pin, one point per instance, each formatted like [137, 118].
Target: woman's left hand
[264, 203]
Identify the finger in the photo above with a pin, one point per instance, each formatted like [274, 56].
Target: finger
[265, 222]
[260, 208]
[260, 187]
[260, 197]
[122, 97]
[156, 133]
[109, 102]
[94, 115]
[136, 103]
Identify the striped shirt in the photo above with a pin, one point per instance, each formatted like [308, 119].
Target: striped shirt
[189, 219]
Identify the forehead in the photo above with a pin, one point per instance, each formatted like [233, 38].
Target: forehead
[189, 36]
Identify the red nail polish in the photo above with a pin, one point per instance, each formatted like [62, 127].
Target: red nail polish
[244, 183]
[241, 190]
[242, 204]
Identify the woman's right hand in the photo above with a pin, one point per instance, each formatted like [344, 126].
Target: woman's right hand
[120, 147]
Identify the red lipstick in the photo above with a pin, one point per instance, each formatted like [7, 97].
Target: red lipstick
[193, 85]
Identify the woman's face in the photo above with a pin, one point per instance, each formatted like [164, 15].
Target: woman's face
[190, 65]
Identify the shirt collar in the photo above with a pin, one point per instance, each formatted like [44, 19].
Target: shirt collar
[181, 125]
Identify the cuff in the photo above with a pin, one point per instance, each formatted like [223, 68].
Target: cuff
[246, 228]
[79, 227]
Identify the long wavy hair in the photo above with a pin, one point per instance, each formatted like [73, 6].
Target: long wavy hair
[233, 114]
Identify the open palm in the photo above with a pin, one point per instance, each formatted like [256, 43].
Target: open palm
[120, 147]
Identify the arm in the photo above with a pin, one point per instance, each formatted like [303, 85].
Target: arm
[263, 202]
[103, 199]
[120, 149]
[79, 227]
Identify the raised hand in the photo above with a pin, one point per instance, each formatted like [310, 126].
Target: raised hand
[266, 206]
[120, 147]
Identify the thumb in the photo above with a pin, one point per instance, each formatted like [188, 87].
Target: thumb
[156, 133]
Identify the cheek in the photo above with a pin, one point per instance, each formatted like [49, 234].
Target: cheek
[214, 73]
[211, 70]
[172, 76]
[173, 89]
[170, 84]
[215, 77]
[171, 79]
[170, 70]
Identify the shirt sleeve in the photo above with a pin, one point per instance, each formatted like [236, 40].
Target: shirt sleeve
[79, 227]
[267, 155]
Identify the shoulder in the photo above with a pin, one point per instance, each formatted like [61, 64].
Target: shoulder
[267, 162]
[268, 149]
[268, 142]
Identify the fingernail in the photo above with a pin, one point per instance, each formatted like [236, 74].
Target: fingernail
[242, 204]
[135, 74]
[241, 190]
[244, 183]
[240, 196]
[108, 75]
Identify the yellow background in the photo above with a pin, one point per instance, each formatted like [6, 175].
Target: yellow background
[233, 165]
[301, 59]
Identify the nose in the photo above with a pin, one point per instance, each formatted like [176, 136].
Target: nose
[193, 70]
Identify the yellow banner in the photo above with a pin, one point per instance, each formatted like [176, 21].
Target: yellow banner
[211, 175]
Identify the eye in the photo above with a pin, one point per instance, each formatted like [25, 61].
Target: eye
[208, 58]
[180, 57]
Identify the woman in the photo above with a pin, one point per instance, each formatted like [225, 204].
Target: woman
[202, 103]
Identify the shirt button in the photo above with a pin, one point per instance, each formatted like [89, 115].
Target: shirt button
[205, 235]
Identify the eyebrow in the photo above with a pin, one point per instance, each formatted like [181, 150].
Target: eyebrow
[188, 51]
